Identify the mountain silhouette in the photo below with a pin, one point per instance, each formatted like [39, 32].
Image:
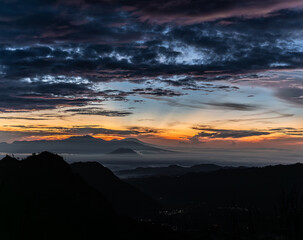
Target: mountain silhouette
[125, 198]
[41, 198]
[9, 161]
[78, 145]
[124, 151]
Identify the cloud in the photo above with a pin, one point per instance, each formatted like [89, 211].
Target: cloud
[97, 112]
[271, 115]
[206, 132]
[157, 92]
[190, 12]
[54, 52]
[155, 50]
[51, 21]
[291, 94]
[24, 118]
[145, 130]
[233, 106]
[29, 95]
[289, 131]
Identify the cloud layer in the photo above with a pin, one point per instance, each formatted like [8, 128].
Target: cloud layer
[120, 59]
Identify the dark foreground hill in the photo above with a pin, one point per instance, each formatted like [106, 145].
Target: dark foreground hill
[124, 197]
[41, 198]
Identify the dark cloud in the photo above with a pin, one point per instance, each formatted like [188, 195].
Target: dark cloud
[213, 133]
[52, 21]
[289, 131]
[52, 52]
[234, 106]
[198, 84]
[271, 115]
[97, 111]
[24, 96]
[49, 92]
[24, 118]
[291, 94]
[99, 130]
[189, 12]
[145, 130]
[114, 95]
[233, 47]
[157, 92]
[187, 82]
[226, 133]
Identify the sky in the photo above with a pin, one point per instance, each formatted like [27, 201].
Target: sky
[186, 73]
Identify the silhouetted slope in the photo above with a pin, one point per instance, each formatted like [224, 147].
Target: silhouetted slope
[249, 203]
[246, 186]
[77, 145]
[125, 198]
[9, 161]
[206, 168]
[41, 198]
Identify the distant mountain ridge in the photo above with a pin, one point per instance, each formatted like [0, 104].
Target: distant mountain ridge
[255, 186]
[78, 145]
[124, 151]
[172, 170]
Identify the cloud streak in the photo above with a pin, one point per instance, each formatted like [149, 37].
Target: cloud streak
[227, 133]
[97, 112]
